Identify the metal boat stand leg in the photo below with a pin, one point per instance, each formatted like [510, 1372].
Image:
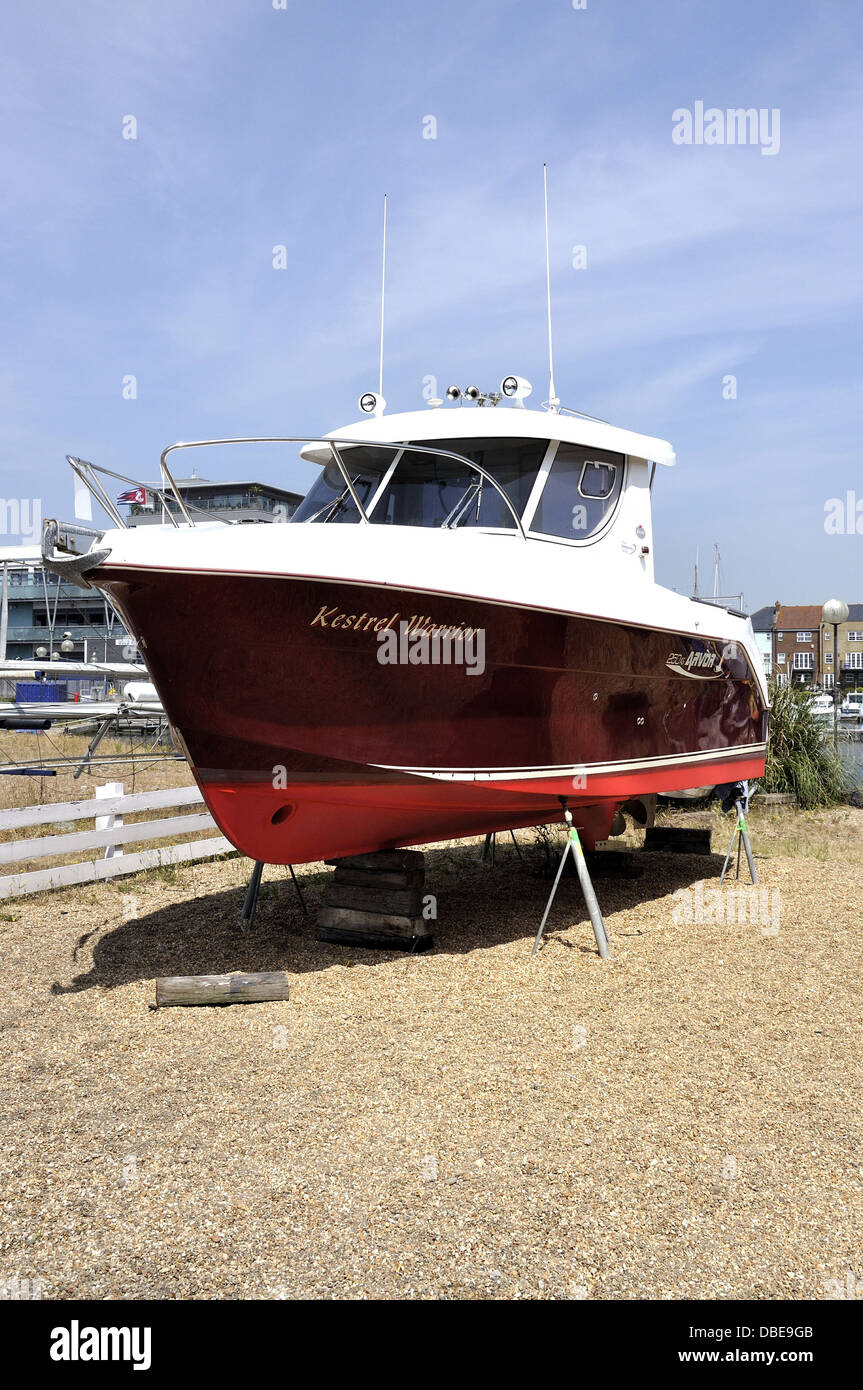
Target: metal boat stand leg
[490, 846]
[741, 835]
[94, 744]
[296, 883]
[573, 847]
[250, 902]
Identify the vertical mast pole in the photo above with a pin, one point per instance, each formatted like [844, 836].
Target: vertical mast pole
[552, 394]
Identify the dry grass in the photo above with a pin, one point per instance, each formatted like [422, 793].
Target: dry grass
[834, 834]
[133, 768]
[136, 774]
[682, 1122]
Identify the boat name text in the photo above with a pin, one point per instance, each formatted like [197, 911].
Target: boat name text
[335, 619]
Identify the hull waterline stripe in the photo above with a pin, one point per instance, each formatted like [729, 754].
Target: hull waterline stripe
[583, 769]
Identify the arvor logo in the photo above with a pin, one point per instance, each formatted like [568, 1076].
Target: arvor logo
[699, 666]
[77, 1343]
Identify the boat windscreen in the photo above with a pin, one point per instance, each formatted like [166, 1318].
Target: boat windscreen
[329, 498]
[429, 490]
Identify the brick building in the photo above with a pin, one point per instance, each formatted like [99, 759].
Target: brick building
[797, 643]
[797, 646]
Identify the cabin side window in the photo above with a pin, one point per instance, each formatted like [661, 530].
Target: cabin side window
[580, 492]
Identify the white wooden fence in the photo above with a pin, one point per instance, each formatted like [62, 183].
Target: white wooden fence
[107, 809]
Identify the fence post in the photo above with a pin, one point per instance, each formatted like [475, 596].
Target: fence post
[110, 821]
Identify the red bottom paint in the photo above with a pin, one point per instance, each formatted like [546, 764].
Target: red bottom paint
[303, 823]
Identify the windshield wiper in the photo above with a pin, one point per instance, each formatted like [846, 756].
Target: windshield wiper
[473, 489]
[333, 508]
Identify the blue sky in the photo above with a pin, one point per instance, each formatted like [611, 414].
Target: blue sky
[259, 127]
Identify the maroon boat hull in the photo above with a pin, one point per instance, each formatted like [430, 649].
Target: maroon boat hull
[306, 746]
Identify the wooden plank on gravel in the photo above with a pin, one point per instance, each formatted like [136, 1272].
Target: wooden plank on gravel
[265, 987]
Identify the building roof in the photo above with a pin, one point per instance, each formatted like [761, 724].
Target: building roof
[762, 620]
[800, 616]
[206, 485]
[789, 617]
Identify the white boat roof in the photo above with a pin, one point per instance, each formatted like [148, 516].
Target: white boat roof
[506, 421]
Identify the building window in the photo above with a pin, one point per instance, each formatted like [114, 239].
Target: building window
[855, 636]
[805, 661]
[804, 637]
[828, 658]
[781, 658]
[854, 661]
[828, 681]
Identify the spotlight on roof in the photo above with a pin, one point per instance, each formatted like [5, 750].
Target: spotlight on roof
[472, 393]
[453, 393]
[516, 388]
[372, 404]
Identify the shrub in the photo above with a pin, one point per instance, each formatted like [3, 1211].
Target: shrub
[800, 756]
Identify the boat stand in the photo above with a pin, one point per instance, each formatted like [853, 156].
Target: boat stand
[94, 744]
[741, 835]
[250, 902]
[488, 849]
[573, 847]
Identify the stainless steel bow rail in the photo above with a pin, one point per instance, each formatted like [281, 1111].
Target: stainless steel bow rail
[169, 494]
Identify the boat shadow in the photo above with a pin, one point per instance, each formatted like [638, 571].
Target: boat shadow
[478, 906]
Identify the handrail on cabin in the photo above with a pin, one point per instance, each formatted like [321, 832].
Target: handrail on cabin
[331, 444]
[87, 474]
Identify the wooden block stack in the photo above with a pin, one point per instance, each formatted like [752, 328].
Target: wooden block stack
[376, 900]
[674, 839]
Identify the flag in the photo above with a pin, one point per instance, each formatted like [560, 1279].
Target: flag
[83, 501]
[135, 494]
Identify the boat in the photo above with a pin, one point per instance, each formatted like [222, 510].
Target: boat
[458, 631]
[822, 705]
[852, 705]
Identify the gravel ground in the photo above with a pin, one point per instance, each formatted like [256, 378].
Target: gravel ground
[681, 1123]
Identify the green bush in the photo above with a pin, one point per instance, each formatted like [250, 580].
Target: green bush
[800, 756]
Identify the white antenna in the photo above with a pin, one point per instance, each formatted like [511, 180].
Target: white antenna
[383, 298]
[716, 571]
[552, 396]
